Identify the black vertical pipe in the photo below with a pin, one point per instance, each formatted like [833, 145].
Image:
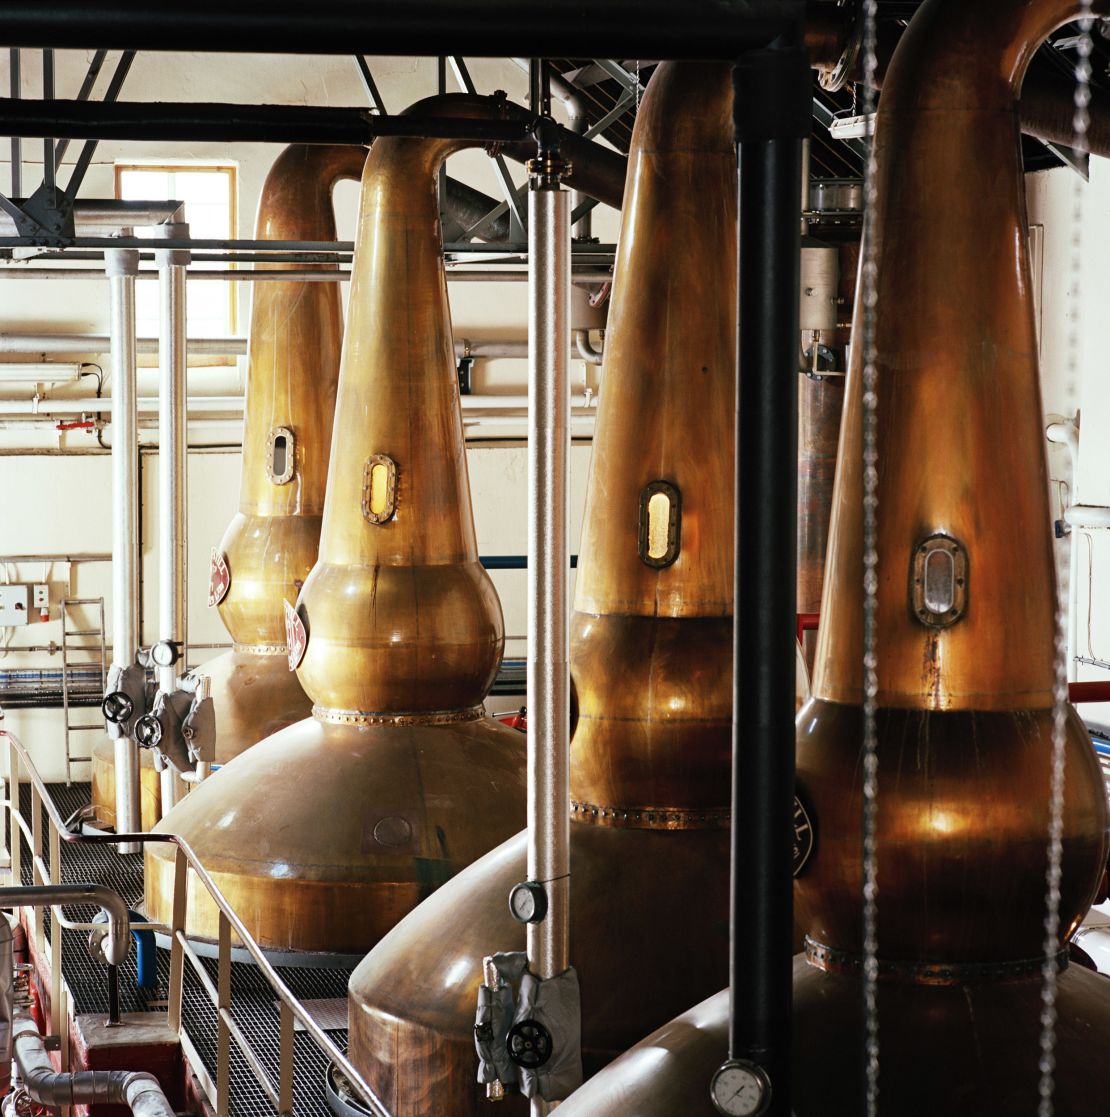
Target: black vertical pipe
[113, 994]
[772, 115]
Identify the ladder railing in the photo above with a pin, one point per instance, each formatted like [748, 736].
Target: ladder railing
[81, 648]
[46, 832]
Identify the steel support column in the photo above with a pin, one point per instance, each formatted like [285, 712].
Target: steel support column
[122, 266]
[549, 561]
[172, 470]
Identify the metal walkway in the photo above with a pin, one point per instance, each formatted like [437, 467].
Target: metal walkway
[254, 1008]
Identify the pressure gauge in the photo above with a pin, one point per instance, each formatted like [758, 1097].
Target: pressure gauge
[163, 654]
[740, 1089]
[528, 902]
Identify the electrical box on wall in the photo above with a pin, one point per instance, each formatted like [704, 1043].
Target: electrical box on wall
[15, 603]
[18, 600]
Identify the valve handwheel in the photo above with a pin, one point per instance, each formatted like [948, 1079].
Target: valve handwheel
[117, 707]
[529, 1044]
[148, 731]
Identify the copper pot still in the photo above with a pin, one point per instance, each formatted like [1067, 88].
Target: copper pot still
[334, 828]
[268, 549]
[651, 658]
[964, 652]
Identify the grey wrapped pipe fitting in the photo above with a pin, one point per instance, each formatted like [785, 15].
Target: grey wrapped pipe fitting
[532, 1042]
[126, 698]
[118, 939]
[586, 351]
[138, 1090]
[7, 993]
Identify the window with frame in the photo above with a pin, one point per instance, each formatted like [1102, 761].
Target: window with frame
[209, 194]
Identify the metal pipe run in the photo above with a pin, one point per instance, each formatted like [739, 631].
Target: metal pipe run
[594, 170]
[217, 123]
[138, 1090]
[118, 937]
[698, 29]
[101, 343]
[587, 278]
[172, 465]
[585, 350]
[549, 559]
[237, 346]
[122, 266]
[107, 214]
[231, 406]
[769, 160]
[16, 88]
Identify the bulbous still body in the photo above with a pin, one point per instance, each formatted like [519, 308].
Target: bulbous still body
[323, 837]
[651, 657]
[964, 652]
[964, 730]
[270, 546]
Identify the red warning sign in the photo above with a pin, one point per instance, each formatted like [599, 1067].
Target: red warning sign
[295, 636]
[219, 579]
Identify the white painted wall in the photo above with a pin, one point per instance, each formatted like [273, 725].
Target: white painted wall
[1079, 385]
[55, 487]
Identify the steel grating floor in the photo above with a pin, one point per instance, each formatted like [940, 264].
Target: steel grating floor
[253, 1002]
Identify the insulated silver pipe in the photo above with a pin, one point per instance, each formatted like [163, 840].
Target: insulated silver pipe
[122, 264]
[118, 937]
[172, 465]
[549, 561]
[138, 1090]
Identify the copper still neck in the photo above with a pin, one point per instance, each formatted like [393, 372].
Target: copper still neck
[401, 617]
[651, 649]
[966, 587]
[962, 488]
[293, 367]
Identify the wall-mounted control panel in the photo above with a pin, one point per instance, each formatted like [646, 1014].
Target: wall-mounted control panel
[20, 602]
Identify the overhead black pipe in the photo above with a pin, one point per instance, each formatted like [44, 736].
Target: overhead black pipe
[213, 122]
[772, 114]
[595, 170]
[695, 29]
[465, 207]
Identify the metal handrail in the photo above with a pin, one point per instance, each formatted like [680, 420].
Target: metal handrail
[44, 871]
[280, 1096]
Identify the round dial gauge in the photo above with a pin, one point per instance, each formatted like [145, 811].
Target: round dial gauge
[740, 1089]
[164, 654]
[528, 902]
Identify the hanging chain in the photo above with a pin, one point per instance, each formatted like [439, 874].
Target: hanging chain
[1051, 968]
[639, 89]
[869, 295]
